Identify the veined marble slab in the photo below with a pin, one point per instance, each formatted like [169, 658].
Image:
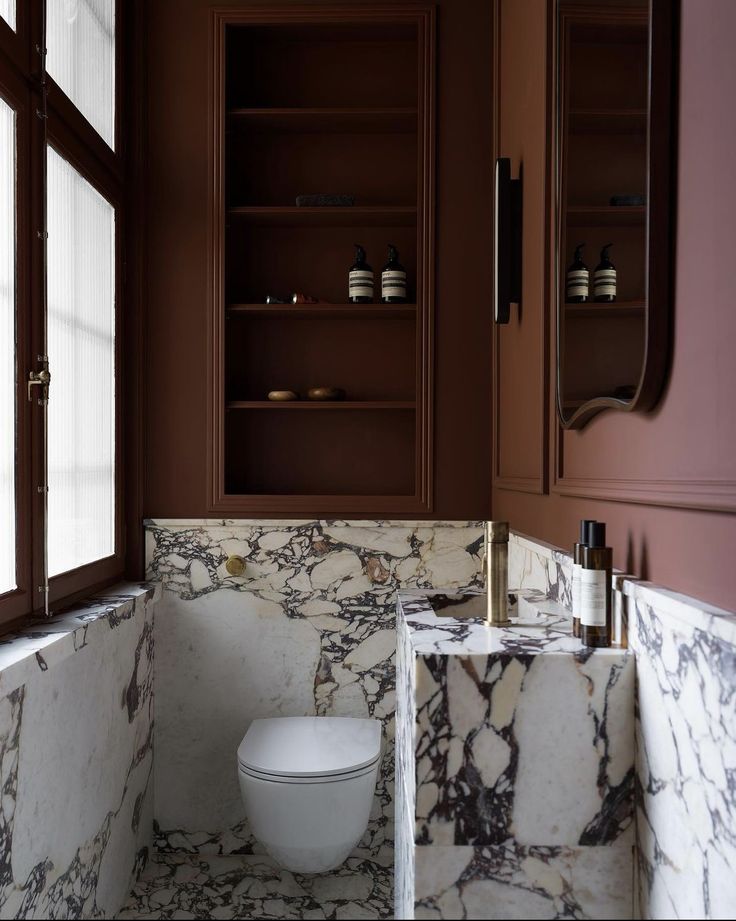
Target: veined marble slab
[309, 629]
[76, 759]
[515, 764]
[45, 642]
[685, 738]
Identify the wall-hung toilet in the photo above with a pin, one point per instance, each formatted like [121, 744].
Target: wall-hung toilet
[308, 785]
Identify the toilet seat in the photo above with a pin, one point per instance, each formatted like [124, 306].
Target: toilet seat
[313, 778]
[314, 749]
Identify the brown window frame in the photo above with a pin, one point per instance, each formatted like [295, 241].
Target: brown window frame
[73, 138]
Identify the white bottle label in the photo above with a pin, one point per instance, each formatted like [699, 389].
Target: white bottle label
[578, 283]
[593, 597]
[576, 567]
[393, 284]
[360, 283]
[605, 281]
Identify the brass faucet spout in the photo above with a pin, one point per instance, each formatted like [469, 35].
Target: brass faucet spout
[497, 573]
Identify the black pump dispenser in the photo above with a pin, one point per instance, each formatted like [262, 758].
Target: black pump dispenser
[604, 279]
[360, 279]
[577, 287]
[393, 279]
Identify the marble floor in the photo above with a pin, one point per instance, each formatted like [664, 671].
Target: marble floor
[252, 886]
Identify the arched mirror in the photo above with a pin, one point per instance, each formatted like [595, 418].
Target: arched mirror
[614, 216]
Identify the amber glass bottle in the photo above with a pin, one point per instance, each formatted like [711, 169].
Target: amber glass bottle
[595, 588]
[577, 565]
[393, 279]
[360, 279]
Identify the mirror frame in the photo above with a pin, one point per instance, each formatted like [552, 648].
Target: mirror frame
[660, 218]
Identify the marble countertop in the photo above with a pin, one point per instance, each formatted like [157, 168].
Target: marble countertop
[43, 642]
[538, 626]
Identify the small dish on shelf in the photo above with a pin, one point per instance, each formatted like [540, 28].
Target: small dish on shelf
[325, 393]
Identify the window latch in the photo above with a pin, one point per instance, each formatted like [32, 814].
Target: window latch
[40, 379]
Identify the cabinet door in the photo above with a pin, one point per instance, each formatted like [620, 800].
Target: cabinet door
[521, 352]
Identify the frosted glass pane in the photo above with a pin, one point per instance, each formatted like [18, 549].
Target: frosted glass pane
[80, 49]
[81, 349]
[7, 348]
[7, 11]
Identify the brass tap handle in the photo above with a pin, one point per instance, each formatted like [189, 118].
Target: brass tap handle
[235, 565]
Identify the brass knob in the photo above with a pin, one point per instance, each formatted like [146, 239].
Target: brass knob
[235, 565]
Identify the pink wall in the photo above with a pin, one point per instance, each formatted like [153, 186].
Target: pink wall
[683, 454]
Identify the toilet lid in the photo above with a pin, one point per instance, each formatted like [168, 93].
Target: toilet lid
[304, 746]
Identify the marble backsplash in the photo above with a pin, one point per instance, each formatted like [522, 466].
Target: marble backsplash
[685, 784]
[308, 629]
[76, 758]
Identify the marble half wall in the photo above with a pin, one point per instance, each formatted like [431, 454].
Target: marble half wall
[685, 783]
[515, 764]
[76, 758]
[310, 628]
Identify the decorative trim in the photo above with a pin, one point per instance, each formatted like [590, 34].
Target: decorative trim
[708, 495]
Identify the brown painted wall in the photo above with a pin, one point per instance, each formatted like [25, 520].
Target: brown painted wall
[684, 452]
[177, 180]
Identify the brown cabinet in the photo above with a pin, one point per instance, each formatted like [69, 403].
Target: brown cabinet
[321, 100]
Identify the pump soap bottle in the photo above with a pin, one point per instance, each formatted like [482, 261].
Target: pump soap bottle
[595, 588]
[360, 279]
[393, 279]
[577, 287]
[577, 565]
[604, 279]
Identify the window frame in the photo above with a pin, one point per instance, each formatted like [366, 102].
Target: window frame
[19, 601]
[74, 139]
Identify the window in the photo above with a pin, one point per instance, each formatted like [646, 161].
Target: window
[61, 530]
[80, 47]
[7, 11]
[81, 349]
[7, 349]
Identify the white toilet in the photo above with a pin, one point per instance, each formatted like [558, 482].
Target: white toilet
[308, 785]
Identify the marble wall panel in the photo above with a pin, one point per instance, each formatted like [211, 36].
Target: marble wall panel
[685, 791]
[76, 763]
[309, 629]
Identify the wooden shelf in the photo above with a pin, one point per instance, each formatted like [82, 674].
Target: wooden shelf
[326, 120]
[617, 309]
[606, 216]
[339, 101]
[355, 216]
[608, 121]
[312, 405]
[323, 310]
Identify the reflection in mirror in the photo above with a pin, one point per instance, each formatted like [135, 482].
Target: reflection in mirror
[603, 221]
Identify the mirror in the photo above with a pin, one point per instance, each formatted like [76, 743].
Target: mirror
[614, 211]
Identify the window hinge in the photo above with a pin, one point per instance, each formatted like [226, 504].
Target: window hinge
[42, 234]
[43, 489]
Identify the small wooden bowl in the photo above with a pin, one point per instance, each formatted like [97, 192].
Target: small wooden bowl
[282, 396]
[325, 393]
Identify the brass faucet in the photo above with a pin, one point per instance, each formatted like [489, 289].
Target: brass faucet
[497, 573]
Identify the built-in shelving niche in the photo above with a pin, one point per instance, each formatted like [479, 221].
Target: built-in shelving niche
[311, 101]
